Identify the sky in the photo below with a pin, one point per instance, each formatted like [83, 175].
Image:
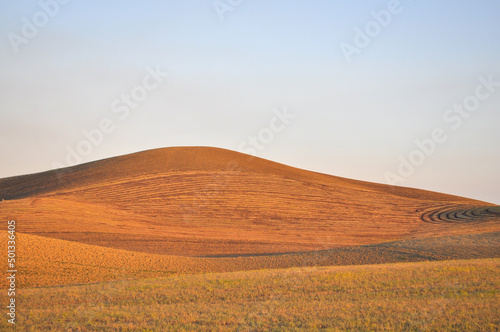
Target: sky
[398, 92]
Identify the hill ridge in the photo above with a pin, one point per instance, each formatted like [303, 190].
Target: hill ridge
[198, 201]
[171, 159]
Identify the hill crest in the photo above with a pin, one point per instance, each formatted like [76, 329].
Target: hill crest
[183, 159]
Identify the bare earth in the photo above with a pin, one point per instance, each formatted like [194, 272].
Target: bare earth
[209, 239]
[195, 201]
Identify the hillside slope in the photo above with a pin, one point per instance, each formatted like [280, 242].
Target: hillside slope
[196, 201]
[42, 261]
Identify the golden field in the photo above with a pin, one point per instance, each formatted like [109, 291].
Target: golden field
[426, 296]
[52, 262]
[199, 238]
[206, 201]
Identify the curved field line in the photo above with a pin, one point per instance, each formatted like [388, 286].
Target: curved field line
[447, 214]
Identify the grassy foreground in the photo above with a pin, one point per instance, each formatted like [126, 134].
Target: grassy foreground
[439, 296]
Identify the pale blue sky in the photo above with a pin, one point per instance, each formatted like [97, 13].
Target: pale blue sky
[226, 77]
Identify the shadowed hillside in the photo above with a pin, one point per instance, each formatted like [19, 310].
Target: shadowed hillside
[196, 201]
[48, 262]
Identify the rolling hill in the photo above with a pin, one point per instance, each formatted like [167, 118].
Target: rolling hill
[199, 201]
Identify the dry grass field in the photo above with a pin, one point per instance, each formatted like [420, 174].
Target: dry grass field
[210, 239]
[426, 296]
